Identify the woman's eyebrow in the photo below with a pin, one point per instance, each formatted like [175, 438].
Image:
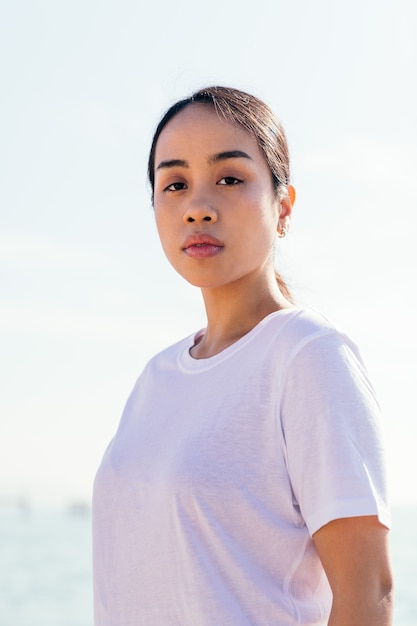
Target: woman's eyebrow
[228, 154]
[172, 163]
[215, 158]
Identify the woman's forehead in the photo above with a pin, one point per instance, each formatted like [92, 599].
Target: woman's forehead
[200, 127]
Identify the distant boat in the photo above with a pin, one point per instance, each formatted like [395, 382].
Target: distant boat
[20, 503]
[79, 508]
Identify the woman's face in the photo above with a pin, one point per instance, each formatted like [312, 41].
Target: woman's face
[216, 210]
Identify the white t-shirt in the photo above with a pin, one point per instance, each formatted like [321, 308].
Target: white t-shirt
[222, 469]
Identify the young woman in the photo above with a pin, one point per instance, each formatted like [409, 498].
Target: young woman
[245, 485]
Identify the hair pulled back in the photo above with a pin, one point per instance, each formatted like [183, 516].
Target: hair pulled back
[248, 111]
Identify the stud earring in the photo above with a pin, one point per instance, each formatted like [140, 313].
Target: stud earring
[282, 232]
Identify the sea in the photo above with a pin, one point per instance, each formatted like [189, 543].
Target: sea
[45, 566]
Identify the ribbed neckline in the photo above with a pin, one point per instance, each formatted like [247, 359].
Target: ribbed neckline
[189, 364]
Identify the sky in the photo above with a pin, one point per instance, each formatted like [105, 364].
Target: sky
[86, 295]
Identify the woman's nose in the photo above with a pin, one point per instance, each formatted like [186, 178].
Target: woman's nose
[200, 211]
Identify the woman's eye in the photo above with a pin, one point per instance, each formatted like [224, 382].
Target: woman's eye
[229, 180]
[178, 186]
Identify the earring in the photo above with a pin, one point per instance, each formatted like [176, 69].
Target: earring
[282, 232]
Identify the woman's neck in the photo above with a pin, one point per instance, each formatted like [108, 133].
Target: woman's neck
[234, 310]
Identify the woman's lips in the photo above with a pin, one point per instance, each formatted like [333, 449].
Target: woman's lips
[202, 246]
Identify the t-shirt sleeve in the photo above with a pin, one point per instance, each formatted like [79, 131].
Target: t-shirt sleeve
[332, 432]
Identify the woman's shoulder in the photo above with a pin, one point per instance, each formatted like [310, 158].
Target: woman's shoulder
[300, 323]
[168, 357]
[290, 331]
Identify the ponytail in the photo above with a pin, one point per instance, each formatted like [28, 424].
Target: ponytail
[283, 287]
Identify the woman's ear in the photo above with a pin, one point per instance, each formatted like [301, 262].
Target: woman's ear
[286, 203]
[291, 193]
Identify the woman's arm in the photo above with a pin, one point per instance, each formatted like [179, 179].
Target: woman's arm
[355, 555]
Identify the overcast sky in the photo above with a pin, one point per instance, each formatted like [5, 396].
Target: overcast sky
[86, 294]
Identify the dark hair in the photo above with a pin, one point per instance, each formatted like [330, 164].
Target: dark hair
[239, 107]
